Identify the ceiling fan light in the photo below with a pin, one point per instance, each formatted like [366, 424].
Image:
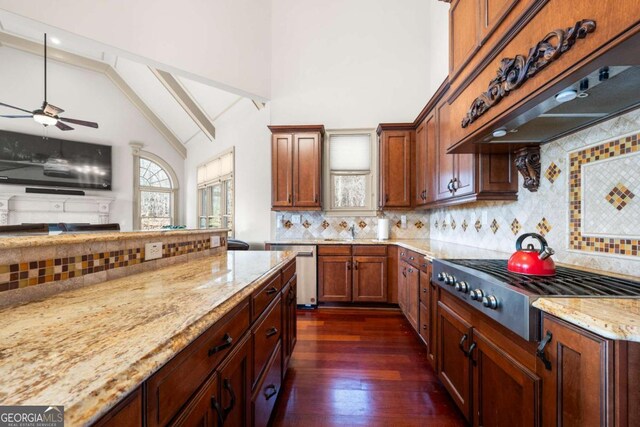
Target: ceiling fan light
[43, 119]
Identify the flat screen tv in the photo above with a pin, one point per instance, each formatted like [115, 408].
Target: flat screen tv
[35, 160]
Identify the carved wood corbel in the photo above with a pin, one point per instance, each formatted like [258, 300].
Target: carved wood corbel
[528, 164]
[513, 72]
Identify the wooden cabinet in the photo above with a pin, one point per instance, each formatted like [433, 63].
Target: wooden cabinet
[578, 385]
[454, 363]
[234, 376]
[425, 161]
[296, 167]
[464, 32]
[505, 393]
[369, 279]
[127, 413]
[289, 322]
[433, 326]
[395, 165]
[334, 278]
[267, 391]
[204, 409]
[412, 306]
[361, 277]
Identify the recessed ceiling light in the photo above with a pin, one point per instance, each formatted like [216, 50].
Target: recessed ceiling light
[566, 95]
[499, 133]
[55, 40]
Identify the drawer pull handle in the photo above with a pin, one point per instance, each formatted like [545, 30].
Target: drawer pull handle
[227, 386]
[540, 350]
[216, 407]
[272, 290]
[411, 258]
[356, 265]
[270, 391]
[467, 353]
[227, 342]
[424, 290]
[272, 331]
[424, 327]
[291, 296]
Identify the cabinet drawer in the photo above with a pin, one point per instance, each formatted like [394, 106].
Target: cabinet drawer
[425, 287]
[423, 329]
[267, 293]
[288, 271]
[127, 413]
[334, 249]
[266, 334]
[267, 392]
[378, 250]
[170, 388]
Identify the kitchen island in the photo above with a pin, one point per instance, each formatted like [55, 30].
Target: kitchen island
[89, 348]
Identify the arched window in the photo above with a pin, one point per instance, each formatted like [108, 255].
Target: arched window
[156, 189]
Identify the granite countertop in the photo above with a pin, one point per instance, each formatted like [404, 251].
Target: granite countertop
[41, 240]
[613, 318]
[88, 348]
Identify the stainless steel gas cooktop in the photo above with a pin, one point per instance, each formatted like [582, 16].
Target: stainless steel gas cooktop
[506, 297]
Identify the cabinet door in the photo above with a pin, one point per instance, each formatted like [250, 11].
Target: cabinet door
[431, 160]
[505, 393]
[235, 385]
[420, 193]
[289, 323]
[444, 167]
[127, 413]
[454, 365]
[577, 390]
[307, 169]
[402, 287]
[370, 278]
[204, 409]
[282, 170]
[424, 323]
[464, 175]
[464, 33]
[334, 278]
[433, 329]
[413, 296]
[395, 173]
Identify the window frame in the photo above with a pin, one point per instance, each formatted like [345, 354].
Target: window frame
[173, 191]
[371, 188]
[207, 186]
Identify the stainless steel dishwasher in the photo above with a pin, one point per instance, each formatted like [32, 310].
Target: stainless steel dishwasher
[306, 271]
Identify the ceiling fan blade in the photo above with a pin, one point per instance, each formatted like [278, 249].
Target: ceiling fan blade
[17, 117]
[51, 110]
[79, 122]
[15, 108]
[62, 126]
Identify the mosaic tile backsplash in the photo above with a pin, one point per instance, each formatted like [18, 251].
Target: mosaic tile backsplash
[592, 175]
[587, 205]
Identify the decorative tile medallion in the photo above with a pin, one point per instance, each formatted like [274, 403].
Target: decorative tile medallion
[306, 224]
[464, 225]
[552, 173]
[344, 225]
[444, 225]
[453, 224]
[494, 226]
[288, 224]
[544, 226]
[624, 148]
[435, 224]
[619, 196]
[399, 224]
[325, 224]
[478, 225]
[419, 225]
[362, 224]
[516, 226]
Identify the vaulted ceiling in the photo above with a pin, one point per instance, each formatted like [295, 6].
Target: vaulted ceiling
[182, 109]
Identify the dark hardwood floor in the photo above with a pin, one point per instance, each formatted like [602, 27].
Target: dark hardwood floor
[362, 367]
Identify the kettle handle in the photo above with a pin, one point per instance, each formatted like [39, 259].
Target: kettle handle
[536, 236]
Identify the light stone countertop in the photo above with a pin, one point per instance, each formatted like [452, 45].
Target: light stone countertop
[88, 348]
[613, 318]
[42, 240]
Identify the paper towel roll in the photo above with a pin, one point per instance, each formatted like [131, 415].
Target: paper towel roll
[383, 229]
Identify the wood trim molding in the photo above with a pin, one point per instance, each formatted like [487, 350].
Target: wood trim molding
[440, 92]
[186, 101]
[99, 67]
[394, 126]
[514, 72]
[296, 128]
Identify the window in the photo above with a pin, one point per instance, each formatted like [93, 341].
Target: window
[215, 192]
[156, 189]
[350, 171]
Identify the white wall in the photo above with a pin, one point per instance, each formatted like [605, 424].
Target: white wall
[354, 63]
[245, 128]
[438, 43]
[219, 40]
[84, 95]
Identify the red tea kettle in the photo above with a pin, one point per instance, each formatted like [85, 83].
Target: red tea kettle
[532, 261]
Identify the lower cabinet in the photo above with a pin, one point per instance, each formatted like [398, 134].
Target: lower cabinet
[289, 322]
[234, 376]
[361, 277]
[127, 413]
[266, 393]
[204, 410]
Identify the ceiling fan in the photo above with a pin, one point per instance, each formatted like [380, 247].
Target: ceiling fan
[48, 115]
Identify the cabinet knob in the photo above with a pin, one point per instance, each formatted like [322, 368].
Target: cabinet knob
[289, 199]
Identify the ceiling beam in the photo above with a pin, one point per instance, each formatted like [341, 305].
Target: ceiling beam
[189, 105]
[100, 67]
[259, 105]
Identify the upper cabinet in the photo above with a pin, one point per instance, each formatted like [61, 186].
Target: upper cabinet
[395, 143]
[296, 167]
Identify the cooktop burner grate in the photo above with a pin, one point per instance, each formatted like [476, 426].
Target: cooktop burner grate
[567, 281]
